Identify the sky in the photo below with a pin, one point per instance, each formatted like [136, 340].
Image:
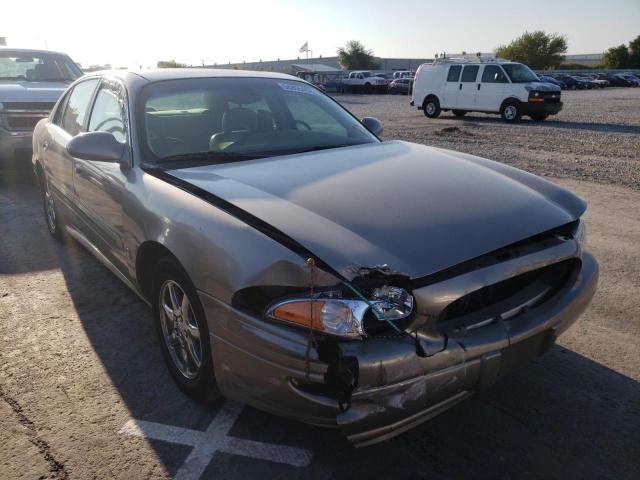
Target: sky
[137, 33]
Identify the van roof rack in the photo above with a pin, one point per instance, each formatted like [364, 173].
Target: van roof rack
[467, 58]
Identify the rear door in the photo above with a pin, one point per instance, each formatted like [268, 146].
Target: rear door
[100, 186]
[451, 87]
[68, 121]
[468, 88]
[491, 88]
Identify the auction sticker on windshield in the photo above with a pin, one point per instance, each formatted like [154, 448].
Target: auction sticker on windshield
[298, 88]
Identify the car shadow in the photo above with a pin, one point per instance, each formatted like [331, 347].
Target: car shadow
[562, 416]
[589, 126]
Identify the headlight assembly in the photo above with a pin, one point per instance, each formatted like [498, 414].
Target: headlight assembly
[328, 313]
[580, 233]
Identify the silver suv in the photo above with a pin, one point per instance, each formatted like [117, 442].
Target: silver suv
[31, 81]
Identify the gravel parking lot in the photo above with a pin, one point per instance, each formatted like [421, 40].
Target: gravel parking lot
[80, 368]
[596, 137]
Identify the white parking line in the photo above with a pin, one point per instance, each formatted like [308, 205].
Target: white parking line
[215, 439]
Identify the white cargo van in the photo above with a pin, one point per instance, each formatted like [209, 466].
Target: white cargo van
[479, 84]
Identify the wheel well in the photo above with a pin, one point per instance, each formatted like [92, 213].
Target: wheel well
[431, 96]
[509, 101]
[149, 253]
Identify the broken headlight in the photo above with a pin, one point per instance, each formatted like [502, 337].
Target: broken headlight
[580, 233]
[329, 313]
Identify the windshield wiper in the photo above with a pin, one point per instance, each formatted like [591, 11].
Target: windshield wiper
[211, 157]
[316, 148]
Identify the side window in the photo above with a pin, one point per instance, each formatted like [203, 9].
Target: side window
[493, 74]
[108, 115]
[470, 73]
[57, 115]
[454, 73]
[77, 106]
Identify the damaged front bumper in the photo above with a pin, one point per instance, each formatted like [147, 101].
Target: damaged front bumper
[270, 367]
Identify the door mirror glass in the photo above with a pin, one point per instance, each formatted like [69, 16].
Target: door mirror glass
[97, 147]
[373, 125]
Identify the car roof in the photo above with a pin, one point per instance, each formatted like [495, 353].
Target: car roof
[162, 74]
[33, 51]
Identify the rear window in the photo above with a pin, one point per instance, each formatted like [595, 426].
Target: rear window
[470, 73]
[454, 73]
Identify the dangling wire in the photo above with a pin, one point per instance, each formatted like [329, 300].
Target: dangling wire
[311, 339]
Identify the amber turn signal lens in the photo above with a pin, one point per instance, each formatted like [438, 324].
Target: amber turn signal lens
[533, 99]
[306, 313]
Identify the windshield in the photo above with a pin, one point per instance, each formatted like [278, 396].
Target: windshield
[231, 118]
[519, 73]
[37, 67]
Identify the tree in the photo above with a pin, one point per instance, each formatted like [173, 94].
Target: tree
[616, 57]
[354, 56]
[537, 49]
[170, 64]
[634, 53]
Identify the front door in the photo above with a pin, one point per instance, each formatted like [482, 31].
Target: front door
[491, 89]
[100, 186]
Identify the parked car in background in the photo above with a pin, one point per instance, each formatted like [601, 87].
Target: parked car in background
[618, 80]
[247, 210]
[572, 82]
[489, 86]
[632, 79]
[554, 81]
[403, 74]
[364, 82]
[31, 81]
[588, 84]
[601, 82]
[400, 85]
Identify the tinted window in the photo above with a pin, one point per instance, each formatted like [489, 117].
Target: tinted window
[108, 115]
[493, 74]
[77, 106]
[454, 73]
[470, 73]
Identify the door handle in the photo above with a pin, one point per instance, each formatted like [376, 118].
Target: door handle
[45, 145]
[78, 170]
[460, 87]
[479, 86]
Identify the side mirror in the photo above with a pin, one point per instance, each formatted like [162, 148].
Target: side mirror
[373, 125]
[97, 147]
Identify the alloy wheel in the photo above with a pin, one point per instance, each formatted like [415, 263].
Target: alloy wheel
[180, 329]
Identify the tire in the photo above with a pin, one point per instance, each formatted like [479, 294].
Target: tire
[539, 117]
[184, 342]
[511, 112]
[431, 107]
[459, 113]
[52, 216]
[367, 88]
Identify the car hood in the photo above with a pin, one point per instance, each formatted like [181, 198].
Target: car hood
[413, 208]
[31, 91]
[543, 86]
